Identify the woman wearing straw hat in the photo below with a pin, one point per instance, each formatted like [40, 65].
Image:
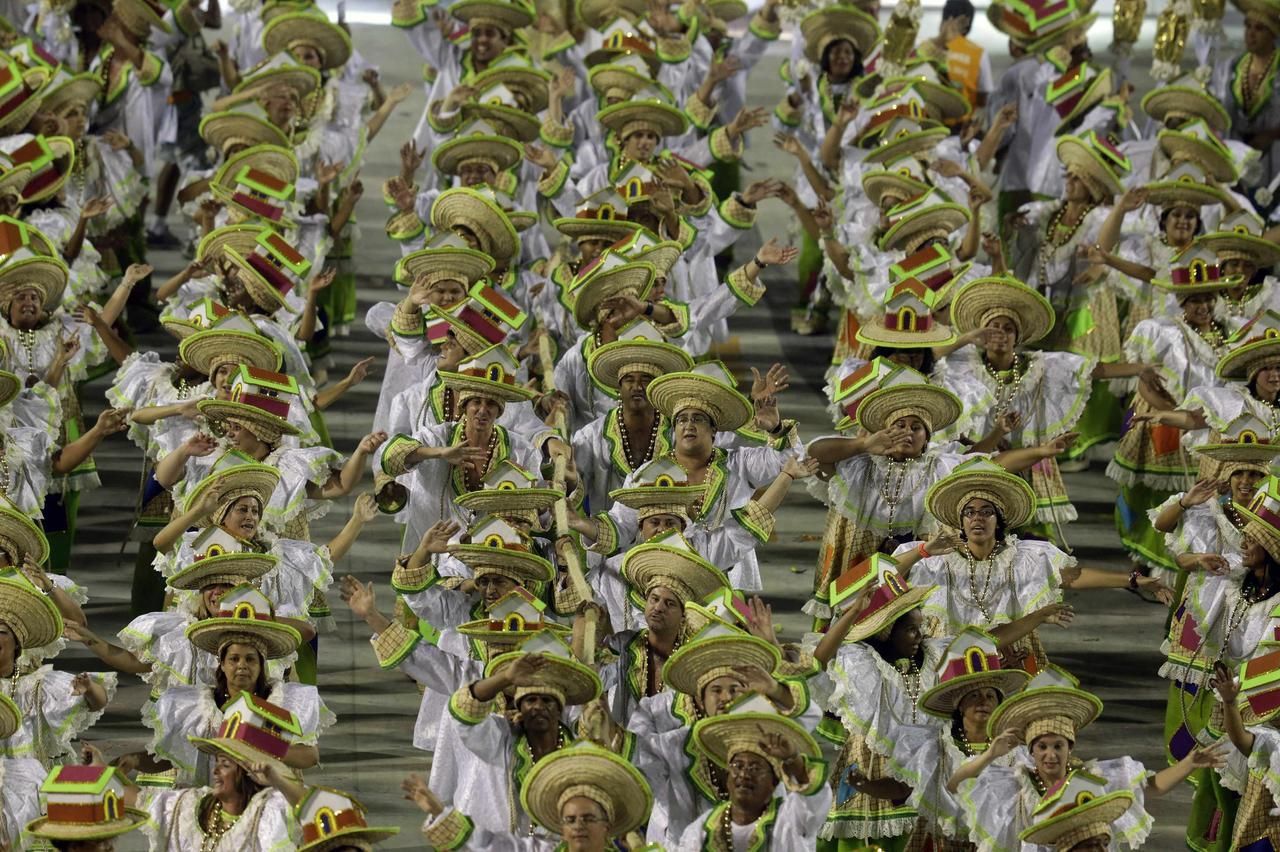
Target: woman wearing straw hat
[242, 635]
[56, 706]
[882, 475]
[1015, 397]
[1224, 616]
[1245, 85]
[590, 797]
[85, 813]
[22, 778]
[1247, 250]
[1047, 717]
[1249, 720]
[23, 551]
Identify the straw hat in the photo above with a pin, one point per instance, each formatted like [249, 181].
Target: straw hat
[610, 275]
[626, 75]
[835, 23]
[1238, 455]
[1185, 185]
[499, 152]
[728, 409]
[1093, 160]
[715, 652]
[515, 72]
[1186, 98]
[253, 730]
[259, 181]
[449, 263]
[640, 246]
[1074, 810]
[944, 101]
[1259, 685]
[1267, 11]
[331, 819]
[10, 717]
[66, 91]
[619, 37]
[245, 616]
[972, 661]
[984, 479]
[497, 548]
[1196, 270]
[1051, 703]
[1078, 90]
[905, 137]
[586, 770]
[597, 14]
[742, 728]
[140, 16]
[265, 425]
[907, 392]
[222, 130]
[499, 107]
[983, 299]
[232, 569]
[926, 217]
[1239, 235]
[84, 803]
[242, 238]
[280, 70]
[671, 562]
[1073, 30]
[1255, 345]
[903, 179]
[609, 363]
[507, 17]
[891, 599]
[1262, 515]
[601, 216]
[462, 207]
[562, 677]
[643, 113]
[907, 321]
[20, 537]
[22, 94]
[307, 28]
[234, 474]
[206, 351]
[31, 616]
[490, 375]
[501, 496]
[1198, 143]
[26, 271]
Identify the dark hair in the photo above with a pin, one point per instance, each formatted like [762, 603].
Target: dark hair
[1253, 389]
[221, 694]
[1002, 528]
[926, 366]
[957, 717]
[884, 647]
[245, 786]
[958, 9]
[1164, 214]
[1272, 582]
[825, 64]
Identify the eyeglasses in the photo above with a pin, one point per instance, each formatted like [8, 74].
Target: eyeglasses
[696, 418]
[984, 513]
[586, 819]
[749, 770]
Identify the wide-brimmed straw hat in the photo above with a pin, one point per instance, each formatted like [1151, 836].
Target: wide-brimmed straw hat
[309, 28]
[30, 614]
[247, 127]
[280, 70]
[586, 770]
[835, 23]
[241, 237]
[507, 17]
[982, 299]
[610, 275]
[1240, 235]
[643, 113]
[891, 599]
[65, 91]
[1198, 143]
[907, 321]
[232, 569]
[602, 216]
[609, 363]
[517, 73]
[509, 488]
[712, 394]
[561, 676]
[1076, 91]
[626, 75]
[331, 819]
[463, 207]
[1255, 345]
[1262, 515]
[741, 729]
[903, 178]
[671, 562]
[1184, 185]
[1196, 270]
[1259, 698]
[206, 351]
[253, 730]
[715, 652]
[640, 246]
[972, 661]
[84, 803]
[245, 616]
[1051, 703]
[490, 374]
[498, 106]
[984, 479]
[1187, 99]
[27, 271]
[234, 474]
[478, 142]
[908, 392]
[140, 16]
[20, 537]
[1074, 810]
[23, 94]
[495, 547]
[259, 181]
[660, 487]
[447, 263]
[920, 219]
[905, 137]
[1096, 161]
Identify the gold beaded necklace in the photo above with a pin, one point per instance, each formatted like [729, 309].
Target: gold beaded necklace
[911, 682]
[27, 337]
[1056, 237]
[632, 461]
[1007, 382]
[222, 823]
[972, 563]
[891, 487]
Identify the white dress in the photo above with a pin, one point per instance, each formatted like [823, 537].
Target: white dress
[266, 825]
[53, 716]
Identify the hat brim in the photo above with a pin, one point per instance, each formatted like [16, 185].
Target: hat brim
[609, 230]
[73, 831]
[1179, 290]
[275, 639]
[302, 79]
[1098, 88]
[940, 218]
[713, 734]
[599, 13]
[1017, 500]
[497, 149]
[1076, 154]
[30, 615]
[222, 128]
[531, 82]
[691, 661]
[465, 264]
[876, 333]
[496, 501]
[1176, 193]
[629, 792]
[240, 238]
[1159, 103]
[870, 625]
[510, 15]
[45, 275]
[576, 682]
[261, 479]
[523, 126]
[906, 144]
[942, 405]
[943, 699]
[225, 409]
[876, 185]
[664, 358]
[1061, 34]
[820, 28]
[1179, 147]
[463, 207]
[201, 351]
[1262, 252]
[646, 496]
[333, 42]
[80, 90]
[482, 631]
[972, 302]
[661, 257]
[25, 535]
[635, 277]
[1245, 452]
[1103, 810]
[1019, 711]
[532, 567]
[244, 567]
[181, 329]
[605, 78]
[475, 386]
[669, 120]
[669, 391]
[644, 564]
[348, 837]
[1238, 363]
[243, 754]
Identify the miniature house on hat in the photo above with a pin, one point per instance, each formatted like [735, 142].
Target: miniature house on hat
[495, 364]
[83, 794]
[931, 265]
[206, 313]
[245, 602]
[910, 306]
[233, 321]
[215, 541]
[497, 306]
[859, 576]
[260, 724]
[492, 531]
[324, 812]
[508, 476]
[1260, 683]
[849, 390]
[517, 610]
[661, 473]
[265, 390]
[279, 262]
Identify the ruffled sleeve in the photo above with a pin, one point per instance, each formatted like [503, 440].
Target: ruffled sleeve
[159, 639]
[135, 387]
[20, 778]
[303, 567]
[995, 808]
[63, 715]
[1125, 773]
[1264, 760]
[1063, 392]
[1219, 405]
[300, 468]
[313, 715]
[29, 453]
[1037, 573]
[277, 830]
[181, 712]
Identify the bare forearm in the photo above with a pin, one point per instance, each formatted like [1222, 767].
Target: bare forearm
[1236, 731]
[307, 326]
[117, 348]
[1016, 461]
[341, 544]
[301, 756]
[830, 152]
[776, 492]
[72, 455]
[95, 696]
[76, 241]
[1134, 270]
[832, 451]
[116, 657]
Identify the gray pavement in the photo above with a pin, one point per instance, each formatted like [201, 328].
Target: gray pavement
[1113, 645]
